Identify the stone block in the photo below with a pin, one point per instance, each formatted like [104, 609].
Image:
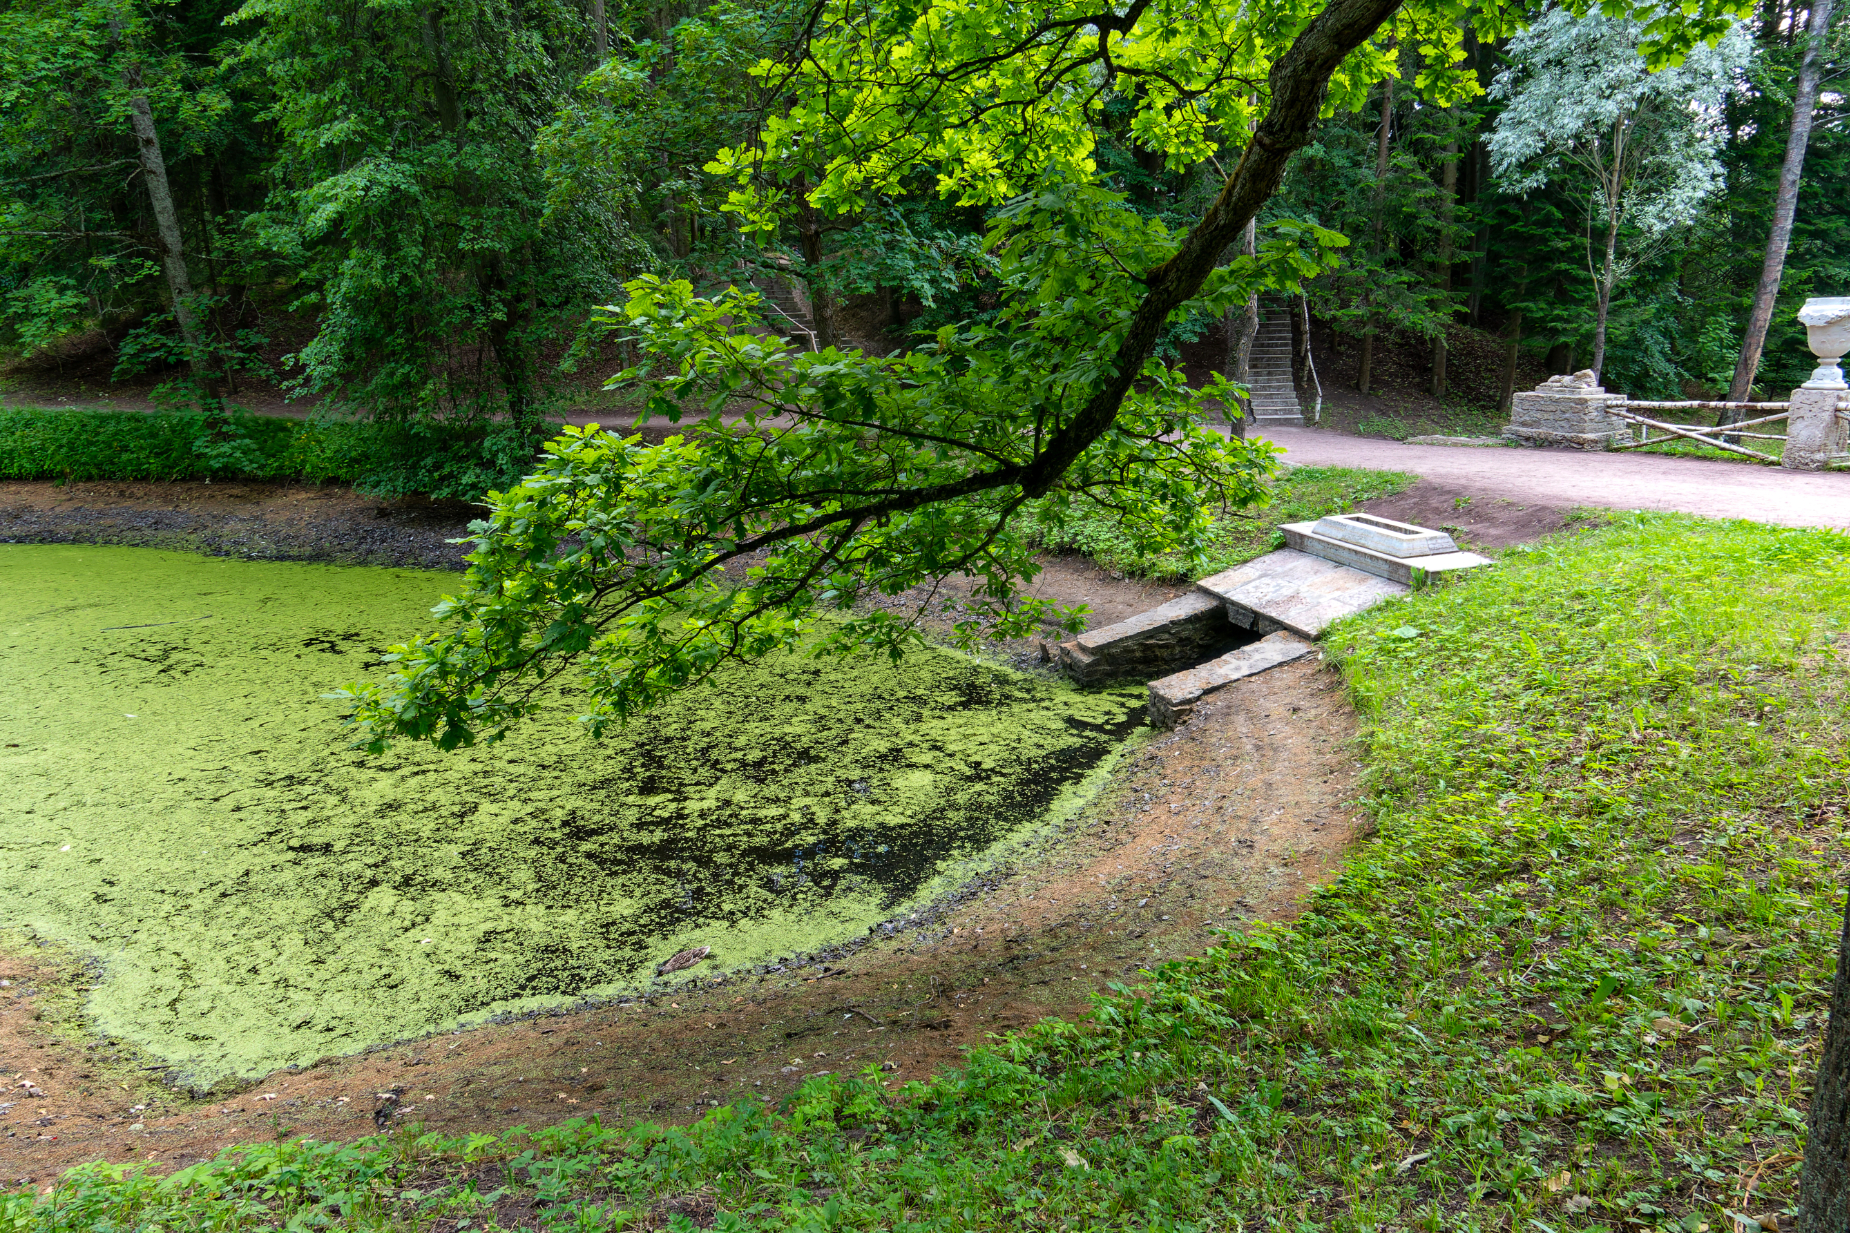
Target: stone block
[1815, 429]
[1179, 632]
[1569, 411]
[1173, 699]
[1407, 571]
[1473, 442]
[1295, 591]
[1383, 535]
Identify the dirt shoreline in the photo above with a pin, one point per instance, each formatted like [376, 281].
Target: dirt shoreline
[1229, 820]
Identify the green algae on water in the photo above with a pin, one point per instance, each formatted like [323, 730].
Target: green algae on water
[177, 802]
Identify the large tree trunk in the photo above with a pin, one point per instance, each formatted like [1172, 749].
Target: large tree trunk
[1480, 239]
[1365, 375]
[1608, 273]
[1242, 327]
[1300, 341]
[600, 32]
[173, 253]
[1785, 204]
[1824, 1182]
[1448, 200]
[1507, 399]
[443, 80]
[809, 240]
[1298, 85]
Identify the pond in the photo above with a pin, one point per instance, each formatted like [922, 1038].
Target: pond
[179, 806]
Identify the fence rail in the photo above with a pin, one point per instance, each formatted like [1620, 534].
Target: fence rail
[1709, 435]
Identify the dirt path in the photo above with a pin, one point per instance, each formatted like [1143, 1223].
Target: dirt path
[1567, 478]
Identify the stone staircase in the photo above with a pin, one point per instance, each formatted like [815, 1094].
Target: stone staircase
[1274, 396]
[786, 309]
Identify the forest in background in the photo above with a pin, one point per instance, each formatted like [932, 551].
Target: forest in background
[410, 212]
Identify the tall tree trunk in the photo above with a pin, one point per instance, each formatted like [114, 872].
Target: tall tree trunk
[1507, 399]
[1300, 341]
[1242, 327]
[1608, 273]
[1448, 201]
[600, 32]
[1785, 204]
[809, 240]
[173, 254]
[1480, 240]
[1824, 1181]
[1365, 375]
[443, 81]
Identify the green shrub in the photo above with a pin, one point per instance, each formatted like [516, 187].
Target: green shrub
[386, 459]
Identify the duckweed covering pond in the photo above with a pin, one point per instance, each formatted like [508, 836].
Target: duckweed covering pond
[177, 802]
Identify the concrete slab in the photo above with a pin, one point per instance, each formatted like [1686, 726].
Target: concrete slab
[1407, 571]
[1173, 699]
[1160, 640]
[1293, 590]
[1384, 536]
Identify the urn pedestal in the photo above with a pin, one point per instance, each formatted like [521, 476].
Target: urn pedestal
[1816, 434]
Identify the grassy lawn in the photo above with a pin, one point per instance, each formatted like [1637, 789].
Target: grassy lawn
[1298, 495]
[1575, 981]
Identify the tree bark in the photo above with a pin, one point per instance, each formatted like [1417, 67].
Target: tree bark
[173, 253]
[1365, 374]
[1300, 341]
[1242, 328]
[1480, 240]
[600, 32]
[1608, 273]
[1785, 205]
[1507, 399]
[1298, 83]
[809, 240]
[1448, 201]
[1824, 1181]
[443, 82]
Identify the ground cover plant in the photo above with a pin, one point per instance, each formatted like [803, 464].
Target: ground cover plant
[1299, 494]
[301, 899]
[1575, 981]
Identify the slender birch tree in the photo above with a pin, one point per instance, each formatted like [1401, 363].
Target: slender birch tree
[1581, 99]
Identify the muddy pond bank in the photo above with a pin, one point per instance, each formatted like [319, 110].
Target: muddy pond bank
[181, 811]
[1229, 820]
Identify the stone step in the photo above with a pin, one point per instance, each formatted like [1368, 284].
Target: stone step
[1160, 640]
[1172, 700]
[1406, 571]
[1295, 591]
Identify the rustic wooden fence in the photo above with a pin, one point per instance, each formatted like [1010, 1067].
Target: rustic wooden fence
[1715, 436]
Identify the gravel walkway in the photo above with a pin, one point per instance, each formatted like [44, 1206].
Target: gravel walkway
[1575, 477]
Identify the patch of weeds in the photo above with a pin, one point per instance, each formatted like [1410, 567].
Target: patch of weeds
[1301, 494]
[1769, 451]
[1384, 426]
[1577, 980]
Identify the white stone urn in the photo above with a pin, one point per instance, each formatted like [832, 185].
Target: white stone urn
[1827, 322]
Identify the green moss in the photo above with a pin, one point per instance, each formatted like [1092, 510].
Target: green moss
[180, 805]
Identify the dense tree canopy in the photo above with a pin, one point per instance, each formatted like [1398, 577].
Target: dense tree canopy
[833, 476]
